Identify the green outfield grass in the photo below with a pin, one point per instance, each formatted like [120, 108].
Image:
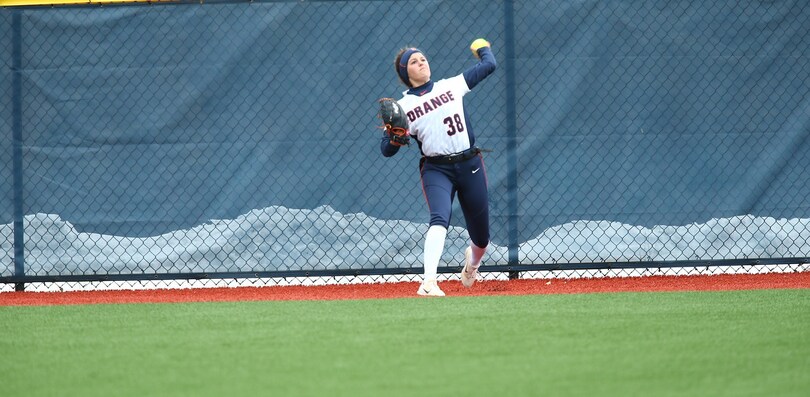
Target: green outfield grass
[741, 343]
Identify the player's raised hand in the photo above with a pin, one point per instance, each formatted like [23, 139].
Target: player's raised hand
[478, 44]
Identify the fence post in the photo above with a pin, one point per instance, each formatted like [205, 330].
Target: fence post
[511, 132]
[17, 141]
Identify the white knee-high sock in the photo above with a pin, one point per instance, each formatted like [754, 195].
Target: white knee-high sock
[434, 245]
[477, 255]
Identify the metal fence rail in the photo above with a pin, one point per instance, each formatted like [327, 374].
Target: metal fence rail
[231, 139]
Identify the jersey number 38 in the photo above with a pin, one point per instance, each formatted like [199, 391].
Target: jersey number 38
[453, 124]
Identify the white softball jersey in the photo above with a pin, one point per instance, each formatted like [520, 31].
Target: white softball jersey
[437, 117]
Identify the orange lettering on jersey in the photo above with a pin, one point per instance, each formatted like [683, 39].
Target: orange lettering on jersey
[428, 106]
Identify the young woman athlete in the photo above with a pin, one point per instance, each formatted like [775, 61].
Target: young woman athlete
[451, 164]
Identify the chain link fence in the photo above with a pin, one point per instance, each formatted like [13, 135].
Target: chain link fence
[238, 140]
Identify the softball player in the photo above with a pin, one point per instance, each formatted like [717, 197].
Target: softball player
[451, 164]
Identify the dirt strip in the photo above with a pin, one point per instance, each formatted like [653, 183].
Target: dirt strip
[408, 289]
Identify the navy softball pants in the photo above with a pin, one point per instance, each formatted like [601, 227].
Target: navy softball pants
[442, 182]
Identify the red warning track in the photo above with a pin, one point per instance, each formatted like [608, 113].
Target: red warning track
[408, 289]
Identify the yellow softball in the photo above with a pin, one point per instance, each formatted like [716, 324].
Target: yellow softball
[478, 44]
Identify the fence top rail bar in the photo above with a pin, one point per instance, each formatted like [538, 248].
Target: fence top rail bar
[395, 271]
[22, 3]
[69, 3]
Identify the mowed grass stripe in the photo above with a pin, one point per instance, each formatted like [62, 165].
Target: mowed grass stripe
[737, 343]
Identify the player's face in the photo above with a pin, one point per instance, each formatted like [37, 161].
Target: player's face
[418, 69]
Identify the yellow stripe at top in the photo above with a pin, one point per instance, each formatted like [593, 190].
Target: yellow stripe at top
[12, 3]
